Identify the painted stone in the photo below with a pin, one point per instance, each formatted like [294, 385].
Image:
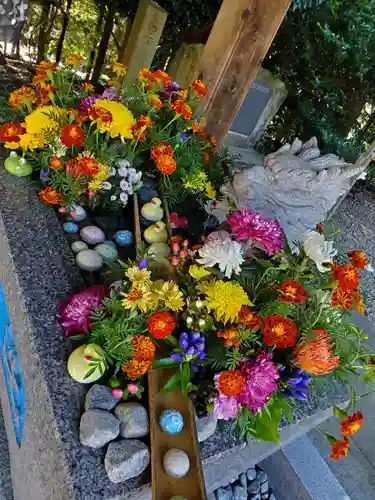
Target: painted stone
[17, 166]
[124, 238]
[176, 463]
[92, 235]
[156, 233]
[79, 363]
[108, 252]
[70, 227]
[78, 246]
[159, 250]
[110, 242]
[171, 421]
[79, 213]
[152, 211]
[89, 260]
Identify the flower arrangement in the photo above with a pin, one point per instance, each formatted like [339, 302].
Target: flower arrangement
[82, 140]
[257, 331]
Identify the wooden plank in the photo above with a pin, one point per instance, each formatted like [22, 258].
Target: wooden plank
[163, 486]
[239, 40]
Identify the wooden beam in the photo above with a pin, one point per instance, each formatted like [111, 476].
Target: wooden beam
[239, 40]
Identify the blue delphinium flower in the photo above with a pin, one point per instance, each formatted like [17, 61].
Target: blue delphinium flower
[143, 263]
[184, 138]
[192, 347]
[44, 172]
[296, 383]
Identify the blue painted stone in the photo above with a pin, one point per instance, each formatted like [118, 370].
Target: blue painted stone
[171, 421]
[124, 238]
[70, 227]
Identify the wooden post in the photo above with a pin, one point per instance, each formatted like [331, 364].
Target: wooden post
[239, 40]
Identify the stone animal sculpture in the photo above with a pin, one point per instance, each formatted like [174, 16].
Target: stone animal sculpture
[296, 185]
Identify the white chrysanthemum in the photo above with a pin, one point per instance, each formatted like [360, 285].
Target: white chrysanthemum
[125, 186]
[319, 250]
[107, 186]
[124, 198]
[227, 254]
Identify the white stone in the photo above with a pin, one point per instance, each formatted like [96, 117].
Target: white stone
[92, 235]
[206, 426]
[89, 260]
[176, 463]
[78, 246]
[80, 213]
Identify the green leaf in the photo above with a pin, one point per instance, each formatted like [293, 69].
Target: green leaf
[331, 439]
[172, 383]
[338, 412]
[90, 372]
[171, 340]
[79, 338]
[164, 363]
[287, 409]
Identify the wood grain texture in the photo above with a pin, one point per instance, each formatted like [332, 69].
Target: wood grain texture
[163, 486]
[236, 47]
[137, 223]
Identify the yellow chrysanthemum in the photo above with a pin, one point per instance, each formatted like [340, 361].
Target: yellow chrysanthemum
[39, 121]
[95, 185]
[119, 68]
[103, 173]
[138, 277]
[210, 191]
[138, 298]
[198, 272]
[170, 295]
[31, 141]
[196, 181]
[225, 298]
[122, 119]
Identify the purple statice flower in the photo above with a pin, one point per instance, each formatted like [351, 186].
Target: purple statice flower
[260, 381]
[87, 103]
[143, 263]
[225, 407]
[111, 94]
[296, 383]
[170, 92]
[248, 224]
[192, 347]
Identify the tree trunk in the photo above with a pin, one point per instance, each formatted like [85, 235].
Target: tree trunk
[96, 39]
[43, 31]
[104, 41]
[63, 31]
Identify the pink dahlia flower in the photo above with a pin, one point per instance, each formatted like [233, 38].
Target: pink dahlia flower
[74, 314]
[248, 224]
[225, 407]
[260, 381]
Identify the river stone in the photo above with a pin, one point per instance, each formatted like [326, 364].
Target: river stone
[108, 252]
[89, 260]
[262, 476]
[92, 235]
[70, 227]
[254, 487]
[239, 493]
[264, 488]
[222, 494]
[125, 459]
[206, 426]
[97, 428]
[100, 397]
[176, 463]
[78, 246]
[79, 213]
[133, 420]
[242, 480]
[254, 497]
[251, 474]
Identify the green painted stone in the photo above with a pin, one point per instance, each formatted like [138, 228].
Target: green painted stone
[107, 251]
[17, 166]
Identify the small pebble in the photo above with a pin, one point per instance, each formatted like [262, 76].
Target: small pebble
[108, 252]
[264, 487]
[272, 497]
[251, 474]
[176, 463]
[70, 227]
[254, 487]
[124, 238]
[261, 476]
[89, 260]
[78, 246]
[239, 493]
[110, 242]
[78, 214]
[223, 494]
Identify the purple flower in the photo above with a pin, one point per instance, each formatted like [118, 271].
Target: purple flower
[170, 92]
[192, 346]
[296, 382]
[260, 381]
[248, 224]
[225, 407]
[110, 94]
[44, 172]
[143, 263]
[87, 103]
[184, 138]
[177, 356]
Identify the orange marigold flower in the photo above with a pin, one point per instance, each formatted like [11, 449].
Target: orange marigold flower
[45, 67]
[358, 259]
[145, 121]
[72, 135]
[145, 75]
[358, 302]
[292, 291]
[341, 297]
[74, 169]
[41, 78]
[162, 78]
[199, 87]
[279, 331]
[155, 101]
[162, 149]
[161, 324]
[88, 86]
[340, 449]
[346, 275]
[166, 164]
[10, 132]
[317, 357]
[134, 368]
[181, 109]
[195, 126]
[55, 162]
[249, 318]
[50, 196]
[20, 97]
[231, 383]
[183, 94]
[100, 114]
[139, 132]
[47, 88]
[74, 60]
[211, 140]
[144, 348]
[89, 166]
[351, 424]
[231, 338]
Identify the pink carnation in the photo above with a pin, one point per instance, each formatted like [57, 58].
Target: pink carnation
[75, 313]
[225, 407]
[248, 224]
[260, 381]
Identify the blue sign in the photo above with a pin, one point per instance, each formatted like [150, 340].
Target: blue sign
[12, 371]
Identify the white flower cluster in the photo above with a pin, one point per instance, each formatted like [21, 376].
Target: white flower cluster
[57, 148]
[227, 254]
[130, 180]
[319, 250]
